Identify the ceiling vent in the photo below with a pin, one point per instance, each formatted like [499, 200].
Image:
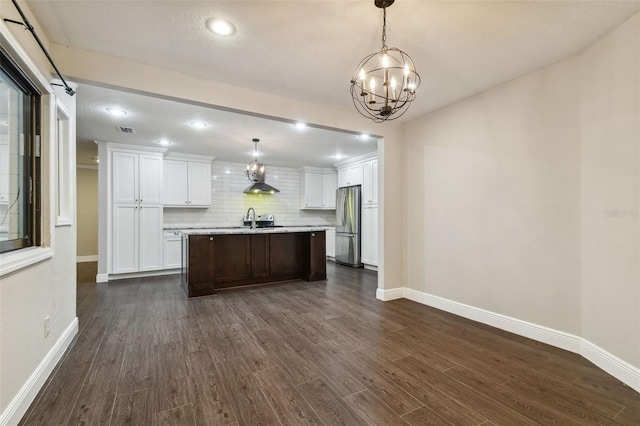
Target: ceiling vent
[126, 129]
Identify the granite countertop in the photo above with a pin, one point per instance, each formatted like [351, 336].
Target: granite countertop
[247, 230]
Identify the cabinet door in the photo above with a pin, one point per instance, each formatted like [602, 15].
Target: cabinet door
[315, 268]
[150, 238]
[367, 183]
[374, 235]
[343, 177]
[313, 192]
[231, 259]
[374, 181]
[150, 180]
[355, 175]
[172, 252]
[331, 242]
[176, 185]
[125, 238]
[366, 238]
[125, 177]
[329, 187]
[259, 256]
[199, 184]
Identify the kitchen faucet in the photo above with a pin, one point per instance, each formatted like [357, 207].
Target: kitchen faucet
[253, 218]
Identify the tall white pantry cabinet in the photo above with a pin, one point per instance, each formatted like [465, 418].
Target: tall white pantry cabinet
[136, 242]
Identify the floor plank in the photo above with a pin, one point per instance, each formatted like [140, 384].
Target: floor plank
[326, 352]
[285, 399]
[328, 404]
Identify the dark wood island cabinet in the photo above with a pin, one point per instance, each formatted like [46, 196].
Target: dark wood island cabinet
[214, 261]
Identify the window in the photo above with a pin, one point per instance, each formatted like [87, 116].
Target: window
[19, 158]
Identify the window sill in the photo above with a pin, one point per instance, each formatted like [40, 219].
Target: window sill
[20, 259]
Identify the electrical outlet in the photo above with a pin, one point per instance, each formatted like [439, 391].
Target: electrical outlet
[47, 326]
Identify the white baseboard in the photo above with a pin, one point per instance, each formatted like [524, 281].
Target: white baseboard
[102, 278]
[83, 259]
[371, 267]
[158, 273]
[610, 363]
[20, 403]
[391, 294]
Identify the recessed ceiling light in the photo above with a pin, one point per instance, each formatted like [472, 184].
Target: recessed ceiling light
[300, 125]
[364, 136]
[338, 156]
[164, 142]
[116, 111]
[199, 124]
[221, 27]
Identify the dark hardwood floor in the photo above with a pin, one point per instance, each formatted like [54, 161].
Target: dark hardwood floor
[301, 353]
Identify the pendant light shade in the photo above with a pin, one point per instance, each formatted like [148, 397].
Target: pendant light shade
[384, 83]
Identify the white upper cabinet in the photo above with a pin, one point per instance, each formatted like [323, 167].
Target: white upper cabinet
[329, 187]
[200, 184]
[176, 182]
[317, 188]
[350, 175]
[150, 179]
[187, 182]
[137, 178]
[370, 182]
[125, 177]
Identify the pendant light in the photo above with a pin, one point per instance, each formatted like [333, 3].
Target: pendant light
[256, 172]
[384, 83]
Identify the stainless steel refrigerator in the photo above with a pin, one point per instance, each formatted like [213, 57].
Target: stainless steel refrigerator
[348, 226]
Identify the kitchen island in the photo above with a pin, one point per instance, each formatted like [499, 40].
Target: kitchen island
[222, 258]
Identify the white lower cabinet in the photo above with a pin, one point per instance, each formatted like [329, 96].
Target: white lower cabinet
[172, 250]
[330, 242]
[137, 238]
[369, 238]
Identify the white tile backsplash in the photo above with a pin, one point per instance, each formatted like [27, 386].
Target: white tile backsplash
[229, 204]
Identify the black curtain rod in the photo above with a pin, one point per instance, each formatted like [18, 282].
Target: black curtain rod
[29, 27]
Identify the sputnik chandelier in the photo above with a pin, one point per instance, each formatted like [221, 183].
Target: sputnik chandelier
[385, 82]
[256, 172]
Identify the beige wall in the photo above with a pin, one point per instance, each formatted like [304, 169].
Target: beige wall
[507, 191]
[493, 199]
[610, 114]
[87, 205]
[47, 288]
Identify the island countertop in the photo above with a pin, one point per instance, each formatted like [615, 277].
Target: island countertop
[248, 230]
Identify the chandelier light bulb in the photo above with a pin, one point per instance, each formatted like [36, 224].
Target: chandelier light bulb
[393, 89]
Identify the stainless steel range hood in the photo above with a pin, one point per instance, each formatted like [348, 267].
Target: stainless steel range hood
[260, 187]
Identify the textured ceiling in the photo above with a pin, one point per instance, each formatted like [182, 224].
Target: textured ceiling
[308, 49]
